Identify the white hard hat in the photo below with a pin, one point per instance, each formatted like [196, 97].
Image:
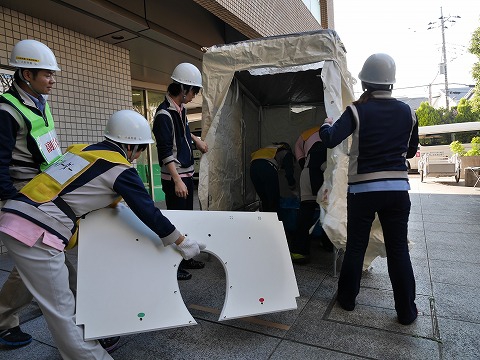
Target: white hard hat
[188, 74]
[32, 54]
[378, 69]
[128, 127]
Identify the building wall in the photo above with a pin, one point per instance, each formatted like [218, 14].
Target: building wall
[258, 18]
[94, 80]
[327, 14]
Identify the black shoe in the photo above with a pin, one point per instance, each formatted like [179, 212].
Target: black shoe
[110, 344]
[192, 264]
[410, 319]
[345, 306]
[14, 337]
[183, 274]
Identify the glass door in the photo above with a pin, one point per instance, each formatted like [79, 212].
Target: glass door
[148, 167]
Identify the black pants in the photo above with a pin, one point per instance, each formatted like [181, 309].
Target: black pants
[305, 220]
[174, 202]
[393, 209]
[264, 177]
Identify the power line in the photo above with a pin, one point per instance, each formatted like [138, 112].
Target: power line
[426, 85]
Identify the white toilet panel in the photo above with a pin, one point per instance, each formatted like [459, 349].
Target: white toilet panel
[127, 280]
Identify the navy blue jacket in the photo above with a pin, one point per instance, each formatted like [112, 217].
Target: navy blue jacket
[384, 133]
[173, 138]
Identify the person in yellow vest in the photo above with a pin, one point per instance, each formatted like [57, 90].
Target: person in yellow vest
[28, 142]
[84, 179]
[311, 154]
[264, 167]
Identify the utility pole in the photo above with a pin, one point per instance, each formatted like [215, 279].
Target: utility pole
[443, 20]
[444, 51]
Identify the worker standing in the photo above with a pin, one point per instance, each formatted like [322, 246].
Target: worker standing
[28, 142]
[384, 133]
[174, 146]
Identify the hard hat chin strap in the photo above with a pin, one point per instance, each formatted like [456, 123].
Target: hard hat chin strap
[373, 87]
[132, 154]
[184, 92]
[20, 74]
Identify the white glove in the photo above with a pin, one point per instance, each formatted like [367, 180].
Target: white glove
[190, 248]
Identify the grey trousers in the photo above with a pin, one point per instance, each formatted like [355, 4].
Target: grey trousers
[45, 275]
[14, 296]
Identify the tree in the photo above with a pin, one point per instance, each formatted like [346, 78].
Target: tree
[447, 116]
[428, 115]
[464, 112]
[475, 50]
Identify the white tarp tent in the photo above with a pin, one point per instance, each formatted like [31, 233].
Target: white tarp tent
[271, 89]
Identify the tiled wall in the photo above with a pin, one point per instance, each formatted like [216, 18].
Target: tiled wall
[258, 18]
[94, 80]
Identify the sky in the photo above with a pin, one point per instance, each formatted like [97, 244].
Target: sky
[400, 29]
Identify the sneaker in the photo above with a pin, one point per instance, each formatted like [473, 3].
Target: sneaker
[110, 344]
[14, 337]
[192, 264]
[183, 274]
[299, 258]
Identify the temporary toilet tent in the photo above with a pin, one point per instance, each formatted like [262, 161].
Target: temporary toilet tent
[259, 91]
[265, 90]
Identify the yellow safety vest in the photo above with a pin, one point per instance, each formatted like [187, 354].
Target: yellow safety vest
[307, 133]
[267, 153]
[47, 185]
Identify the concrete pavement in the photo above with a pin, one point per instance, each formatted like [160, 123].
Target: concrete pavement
[445, 227]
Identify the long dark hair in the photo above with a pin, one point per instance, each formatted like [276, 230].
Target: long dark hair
[368, 89]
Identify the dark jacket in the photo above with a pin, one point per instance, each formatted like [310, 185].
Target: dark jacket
[384, 133]
[173, 138]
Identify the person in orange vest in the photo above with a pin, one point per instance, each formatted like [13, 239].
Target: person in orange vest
[264, 167]
[311, 154]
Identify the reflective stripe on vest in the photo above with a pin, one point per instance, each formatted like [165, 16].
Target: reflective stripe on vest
[56, 177]
[41, 130]
[267, 153]
[307, 133]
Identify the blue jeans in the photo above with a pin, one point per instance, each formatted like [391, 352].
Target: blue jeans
[393, 209]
